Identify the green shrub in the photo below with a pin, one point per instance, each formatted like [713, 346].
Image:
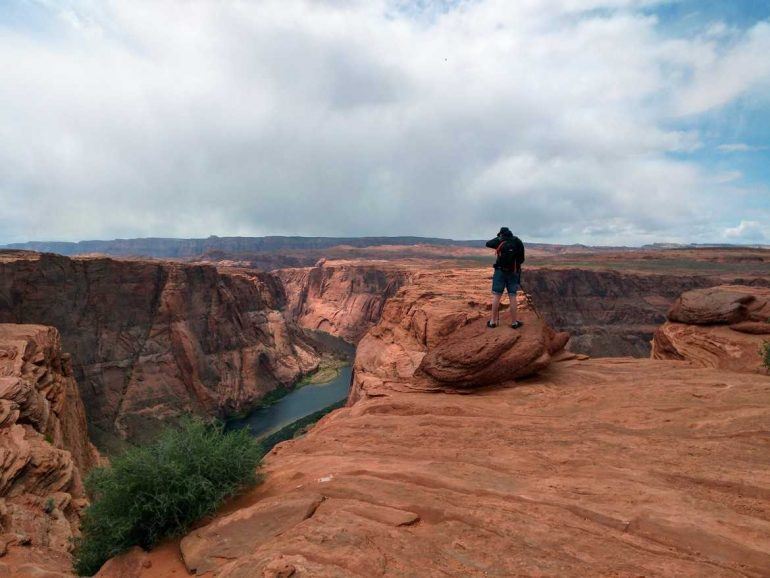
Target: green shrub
[764, 351]
[158, 490]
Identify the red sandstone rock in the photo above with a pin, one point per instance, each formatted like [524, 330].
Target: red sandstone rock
[609, 467]
[605, 467]
[236, 535]
[341, 297]
[433, 337]
[44, 447]
[707, 343]
[152, 340]
[719, 305]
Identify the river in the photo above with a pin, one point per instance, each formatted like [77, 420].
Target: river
[295, 405]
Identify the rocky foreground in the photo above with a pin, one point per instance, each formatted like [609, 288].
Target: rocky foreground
[577, 467]
[44, 452]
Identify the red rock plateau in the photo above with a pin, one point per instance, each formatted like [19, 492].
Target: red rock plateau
[151, 339]
[722, 327]
[44, 450]
[610, 301]
[475, 452]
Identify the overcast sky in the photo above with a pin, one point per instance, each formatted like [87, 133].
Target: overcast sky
[594, 121]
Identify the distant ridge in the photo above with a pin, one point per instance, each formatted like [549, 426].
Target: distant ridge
[183, 248]
[704, 246]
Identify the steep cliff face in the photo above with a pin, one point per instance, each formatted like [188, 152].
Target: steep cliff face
[44, 446]
[153, 340]
[722, 327]
[608, 313]
[598, 467]
[339, 297]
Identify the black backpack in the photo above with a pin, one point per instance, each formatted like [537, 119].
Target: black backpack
[510, 254]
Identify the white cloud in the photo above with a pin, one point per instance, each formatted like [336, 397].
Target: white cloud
[748, 232]
[738, 147]
[728, 73]
[345, 117]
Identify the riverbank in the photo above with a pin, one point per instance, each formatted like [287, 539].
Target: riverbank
[314, 394]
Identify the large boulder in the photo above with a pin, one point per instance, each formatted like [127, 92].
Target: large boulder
[723, 327]
[432, 336]
[725, 304]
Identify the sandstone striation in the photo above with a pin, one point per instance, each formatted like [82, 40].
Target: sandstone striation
[433, 337]
[344, 298]
[608, 467]
[722, 327]
[152, 340]
[44, 449]
[585, 467]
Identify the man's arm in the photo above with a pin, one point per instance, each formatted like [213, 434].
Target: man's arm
[493, 243]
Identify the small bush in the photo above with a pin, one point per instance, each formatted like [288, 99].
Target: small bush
[764, 351]
[158, 490]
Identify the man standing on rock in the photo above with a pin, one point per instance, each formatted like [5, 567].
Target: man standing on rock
[507, 276]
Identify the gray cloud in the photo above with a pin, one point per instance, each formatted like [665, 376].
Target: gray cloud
[362, 118]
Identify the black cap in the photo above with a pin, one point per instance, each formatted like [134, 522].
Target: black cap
[505, 232]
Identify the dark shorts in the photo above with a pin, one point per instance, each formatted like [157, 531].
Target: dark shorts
[503, 280]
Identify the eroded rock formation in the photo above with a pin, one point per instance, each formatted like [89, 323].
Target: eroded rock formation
[582, 471]
[722, 327]
[344, 298]
[437, 340]
[152, 340]
[598, 467]
[608, 313]
[44, 448]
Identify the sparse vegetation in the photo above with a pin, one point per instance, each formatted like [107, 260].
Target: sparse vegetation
[764, 351]
[158, 490]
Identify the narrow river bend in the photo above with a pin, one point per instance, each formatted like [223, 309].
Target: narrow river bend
[299, 403]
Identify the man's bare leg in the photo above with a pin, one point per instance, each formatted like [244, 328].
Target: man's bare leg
[496, 307]
[514, 308]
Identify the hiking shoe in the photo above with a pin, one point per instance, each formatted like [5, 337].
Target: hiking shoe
[517, 324]
[491, 325]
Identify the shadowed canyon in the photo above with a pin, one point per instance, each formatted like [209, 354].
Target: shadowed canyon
[559, 449]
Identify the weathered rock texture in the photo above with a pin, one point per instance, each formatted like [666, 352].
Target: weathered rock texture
[609, 313]
[44, 446]
[722, 327]
[610, 467]
[433, 337]
[152, 340]
[343, 298]
[607, 467]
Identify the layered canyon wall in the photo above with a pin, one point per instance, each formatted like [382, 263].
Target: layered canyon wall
[342, 298]
[153, 340]
[607, 313]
